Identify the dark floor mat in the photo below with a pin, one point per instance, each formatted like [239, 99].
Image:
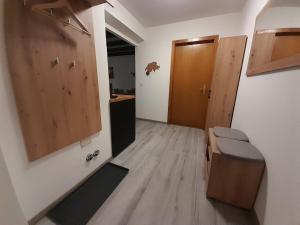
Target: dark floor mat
[82, 204]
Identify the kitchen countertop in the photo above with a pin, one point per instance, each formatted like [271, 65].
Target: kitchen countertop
[121, 98]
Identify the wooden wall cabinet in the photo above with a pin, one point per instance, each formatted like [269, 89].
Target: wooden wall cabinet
[273, 50]
[54, 76]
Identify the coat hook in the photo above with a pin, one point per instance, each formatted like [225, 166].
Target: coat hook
[67, 22]
[56, 61]
[73, 64]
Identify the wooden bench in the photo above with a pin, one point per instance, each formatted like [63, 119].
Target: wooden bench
[231, 179]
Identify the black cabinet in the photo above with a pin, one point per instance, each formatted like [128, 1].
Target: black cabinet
[122, 117]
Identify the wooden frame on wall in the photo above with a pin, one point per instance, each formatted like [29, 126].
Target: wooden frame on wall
[205, 39]
[274, 49]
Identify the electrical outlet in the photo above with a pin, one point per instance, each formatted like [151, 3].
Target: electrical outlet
[96, 153]
[89, 157]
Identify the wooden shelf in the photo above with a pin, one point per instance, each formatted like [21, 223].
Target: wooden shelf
[46, 9]
[273, 50]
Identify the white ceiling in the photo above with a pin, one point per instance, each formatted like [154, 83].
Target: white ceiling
[159, 12]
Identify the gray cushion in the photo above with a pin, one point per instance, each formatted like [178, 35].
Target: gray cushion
[230, 133]
[239, 149]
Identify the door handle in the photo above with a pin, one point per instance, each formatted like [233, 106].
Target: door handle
[209, 93]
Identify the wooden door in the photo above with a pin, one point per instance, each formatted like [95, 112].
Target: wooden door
[225, 81]
[192, 69]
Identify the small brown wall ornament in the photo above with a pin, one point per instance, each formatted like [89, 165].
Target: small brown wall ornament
[151, 67]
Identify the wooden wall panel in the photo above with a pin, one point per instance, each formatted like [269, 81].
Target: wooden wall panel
[225, 81]
[58, 104]
[273, 50]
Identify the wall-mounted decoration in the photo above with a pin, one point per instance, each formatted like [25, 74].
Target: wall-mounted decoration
[151, 67]
[111, 72]
[54, 76]
[273, 50]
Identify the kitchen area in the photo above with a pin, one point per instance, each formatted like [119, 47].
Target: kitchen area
[121, 62]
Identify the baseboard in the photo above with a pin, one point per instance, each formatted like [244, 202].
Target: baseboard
[156, 121]
[44, 212]
[255, 218]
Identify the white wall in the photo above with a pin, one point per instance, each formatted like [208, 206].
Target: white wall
[277, 17]
[10, 210]
[268, 109]
[123, 67]
[39, 183]
[123, 23]
[152, 92]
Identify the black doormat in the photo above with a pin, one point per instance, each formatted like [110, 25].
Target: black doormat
[78, 207]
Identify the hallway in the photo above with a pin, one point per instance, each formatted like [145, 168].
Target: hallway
[165, 185]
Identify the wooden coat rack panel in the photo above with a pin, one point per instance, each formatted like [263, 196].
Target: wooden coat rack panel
[273, 50]
[54, 75]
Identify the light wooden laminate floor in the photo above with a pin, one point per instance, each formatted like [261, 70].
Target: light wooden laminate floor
[165, 185]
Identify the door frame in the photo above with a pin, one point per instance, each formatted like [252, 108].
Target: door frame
[205, 39]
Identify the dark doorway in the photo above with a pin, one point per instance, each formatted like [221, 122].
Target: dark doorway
[121, 64]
